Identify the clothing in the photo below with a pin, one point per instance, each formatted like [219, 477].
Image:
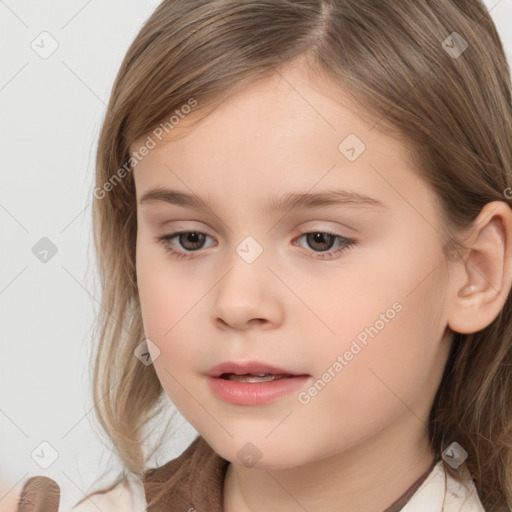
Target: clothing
[198, 482]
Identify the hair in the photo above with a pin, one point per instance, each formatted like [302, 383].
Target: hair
[454, 115]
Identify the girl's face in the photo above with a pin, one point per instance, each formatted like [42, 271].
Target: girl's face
[349, 292]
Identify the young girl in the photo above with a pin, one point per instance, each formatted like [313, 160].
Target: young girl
[302, 221]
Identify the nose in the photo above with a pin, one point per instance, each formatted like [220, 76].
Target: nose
[248, 295]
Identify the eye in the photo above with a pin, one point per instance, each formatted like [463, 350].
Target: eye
[324, 240]
[191, 241]
[319, 241]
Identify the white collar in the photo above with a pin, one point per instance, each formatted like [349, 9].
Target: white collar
[440, 492]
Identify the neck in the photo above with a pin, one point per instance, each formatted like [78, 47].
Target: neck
[368, 477]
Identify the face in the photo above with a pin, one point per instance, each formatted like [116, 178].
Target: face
[347, 292]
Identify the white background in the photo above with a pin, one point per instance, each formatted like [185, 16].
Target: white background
[50, 115]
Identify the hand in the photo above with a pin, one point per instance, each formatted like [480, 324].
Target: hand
[39, 494]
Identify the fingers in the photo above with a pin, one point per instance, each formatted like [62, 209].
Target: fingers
[39, 494]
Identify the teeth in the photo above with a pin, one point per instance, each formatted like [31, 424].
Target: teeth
[260, 377]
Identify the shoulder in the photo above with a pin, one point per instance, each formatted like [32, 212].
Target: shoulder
[131, 494]
[199, 472]
[441, 492]
[126, 496]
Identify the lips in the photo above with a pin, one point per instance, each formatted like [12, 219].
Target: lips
[253, 383]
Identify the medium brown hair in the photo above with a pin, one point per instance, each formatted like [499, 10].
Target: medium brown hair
[454, 114]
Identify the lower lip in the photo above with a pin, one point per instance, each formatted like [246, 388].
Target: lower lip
[255, 393]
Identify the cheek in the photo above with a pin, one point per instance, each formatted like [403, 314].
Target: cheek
[394, 375]
[168, 305]
[399, 363]
[388, 329]
[165, 292]
[168, 319]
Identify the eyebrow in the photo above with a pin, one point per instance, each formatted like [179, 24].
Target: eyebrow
[274, 204]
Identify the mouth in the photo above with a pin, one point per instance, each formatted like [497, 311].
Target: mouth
[250, 370]
[253, 383]
[249, 377]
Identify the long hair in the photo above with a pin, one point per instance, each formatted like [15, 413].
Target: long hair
[433, 72]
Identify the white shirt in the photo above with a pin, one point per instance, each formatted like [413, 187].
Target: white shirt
[438, 493]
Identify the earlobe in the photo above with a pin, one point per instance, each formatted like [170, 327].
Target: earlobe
[482, 280]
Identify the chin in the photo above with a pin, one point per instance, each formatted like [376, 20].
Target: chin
[262, 454]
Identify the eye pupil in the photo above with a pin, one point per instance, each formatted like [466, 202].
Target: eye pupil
[192, 237]
[320, 238]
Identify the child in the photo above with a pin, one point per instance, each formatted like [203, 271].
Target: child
[302, 220]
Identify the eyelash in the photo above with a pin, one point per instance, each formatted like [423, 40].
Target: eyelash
[348, 244]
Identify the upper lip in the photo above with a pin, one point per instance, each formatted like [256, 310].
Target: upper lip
[253, 367]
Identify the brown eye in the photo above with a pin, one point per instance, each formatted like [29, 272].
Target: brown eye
[320, 241]
[188, 243]
[191, 240]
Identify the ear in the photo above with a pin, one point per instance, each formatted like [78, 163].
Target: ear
[482, 279]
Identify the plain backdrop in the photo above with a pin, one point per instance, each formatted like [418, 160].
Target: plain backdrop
[51, 108]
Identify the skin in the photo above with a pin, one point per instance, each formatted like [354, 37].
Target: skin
[9, 501]
[361, 442]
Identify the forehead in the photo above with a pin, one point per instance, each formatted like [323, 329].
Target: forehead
[280, 132]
